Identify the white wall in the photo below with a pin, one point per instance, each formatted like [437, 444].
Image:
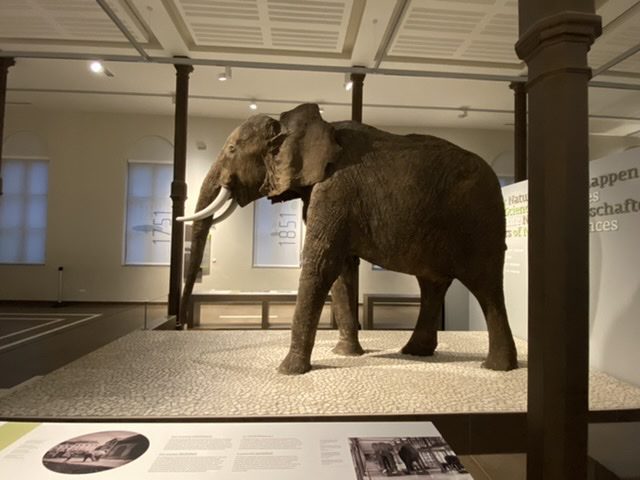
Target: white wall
[88, 154]
[88, 158]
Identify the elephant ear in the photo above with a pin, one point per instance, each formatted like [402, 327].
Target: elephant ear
[301, 152]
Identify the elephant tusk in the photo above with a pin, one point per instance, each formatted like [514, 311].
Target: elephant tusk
[227, 212]
[213, 207]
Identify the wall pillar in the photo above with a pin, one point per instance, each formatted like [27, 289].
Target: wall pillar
[555, 37]
[520, 131]
[178, 187]
[349, 281]
[5, 64]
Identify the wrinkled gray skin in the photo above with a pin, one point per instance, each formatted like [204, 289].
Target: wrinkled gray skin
[414, 204]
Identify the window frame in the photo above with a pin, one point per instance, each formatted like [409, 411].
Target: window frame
[31, 158]
[300, 232]
[124, 262]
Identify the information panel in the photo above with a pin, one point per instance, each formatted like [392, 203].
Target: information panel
[614, 264]
[277, 233]
[261, 451]
[516, 266]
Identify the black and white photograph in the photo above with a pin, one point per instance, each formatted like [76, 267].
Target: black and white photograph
[404, 457]
[95, 452]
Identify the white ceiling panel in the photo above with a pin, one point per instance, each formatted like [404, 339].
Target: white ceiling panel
[478, 30]
[458, 36]
[314, 25]
[619, 35]
[66, 20]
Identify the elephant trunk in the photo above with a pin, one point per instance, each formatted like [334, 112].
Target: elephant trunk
[198, 241]
[208, 192]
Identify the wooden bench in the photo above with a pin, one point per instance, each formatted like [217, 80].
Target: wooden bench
[264, 298]
[371, 299]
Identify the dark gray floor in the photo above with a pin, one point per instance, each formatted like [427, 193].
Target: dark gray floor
[37, 338]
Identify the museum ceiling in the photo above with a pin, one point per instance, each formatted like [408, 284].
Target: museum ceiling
[425, 38]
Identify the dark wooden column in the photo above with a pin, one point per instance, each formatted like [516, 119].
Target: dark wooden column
[554, 43]
[356, 96]
[179, 186]
[520, 131]
[5, 64]
[356, 116]
[350, 277]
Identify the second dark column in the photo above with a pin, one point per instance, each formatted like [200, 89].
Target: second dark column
[5, 63]
[179, 187]
[356, 116]
[520, 131]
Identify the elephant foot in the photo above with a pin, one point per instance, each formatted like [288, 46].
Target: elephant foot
[420, 349]
[348, 349]
[502, 362]
[294, 364]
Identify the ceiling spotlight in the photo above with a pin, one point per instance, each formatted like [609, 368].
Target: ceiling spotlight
[99, 69]
[226, 75]
[96, 67]
[253, 106]
[348, 83]
[464, 112]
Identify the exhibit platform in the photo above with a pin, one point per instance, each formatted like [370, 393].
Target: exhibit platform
[233, 374]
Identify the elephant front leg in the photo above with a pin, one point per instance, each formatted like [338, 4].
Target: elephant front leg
[344, 306]
[424, 339]
[316, 278]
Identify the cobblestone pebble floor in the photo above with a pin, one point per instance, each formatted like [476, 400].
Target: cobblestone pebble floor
[231, 373]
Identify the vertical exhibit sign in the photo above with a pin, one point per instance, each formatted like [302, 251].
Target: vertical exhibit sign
[277, 234]
[614, 263]
[516, 267]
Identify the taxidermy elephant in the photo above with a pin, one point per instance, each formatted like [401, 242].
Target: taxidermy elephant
[415, 204]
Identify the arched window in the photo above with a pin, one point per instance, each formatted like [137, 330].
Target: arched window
[23, 205]
[277, 234]
[148, 219]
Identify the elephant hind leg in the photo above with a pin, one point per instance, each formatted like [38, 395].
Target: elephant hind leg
[344, 305]
[502, 349]
[424, 339]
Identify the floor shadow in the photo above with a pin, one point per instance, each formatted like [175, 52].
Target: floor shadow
[320, 366]
[437, 357]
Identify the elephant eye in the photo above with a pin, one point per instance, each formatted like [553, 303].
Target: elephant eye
[231, 148]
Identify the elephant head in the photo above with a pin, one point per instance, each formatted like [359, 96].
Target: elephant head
[261, 157]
